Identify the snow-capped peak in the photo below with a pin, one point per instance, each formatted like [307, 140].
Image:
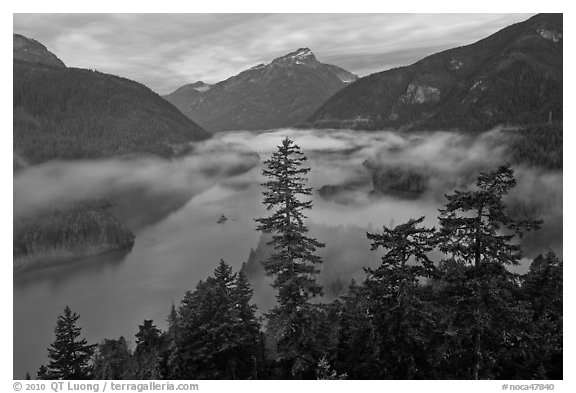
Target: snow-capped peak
[302, 53]
[300, 56]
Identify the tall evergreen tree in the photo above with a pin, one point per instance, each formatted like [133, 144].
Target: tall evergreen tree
[219, 330]
[150, 345]
[357, 349]
[247, 329]
[396, 311]
[294, 323]
[69, 355]
[174, 360]
[477, 235]
[293, 265]
[542, 288]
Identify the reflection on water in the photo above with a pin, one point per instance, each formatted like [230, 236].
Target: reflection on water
[114, 292]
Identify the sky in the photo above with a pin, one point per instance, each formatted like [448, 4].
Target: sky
[166, 51]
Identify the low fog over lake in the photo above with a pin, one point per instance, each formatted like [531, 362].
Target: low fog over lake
[180, 236]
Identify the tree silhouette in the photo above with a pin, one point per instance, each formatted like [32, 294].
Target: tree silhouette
[69, 356]
[294, 323]
[477, 235]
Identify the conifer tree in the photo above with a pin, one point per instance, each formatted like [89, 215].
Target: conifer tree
[195, 347]
[293, 265]
[477, 235]
[294, 324]
[357, 350]
[391, 290]
[69, 355]
[112, 359]
[219, 329]
[247, 329]
[42, 372]
[147, 355]
[174, 357]
[542, 288]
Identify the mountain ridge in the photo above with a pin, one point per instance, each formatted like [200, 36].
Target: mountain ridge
[71, 113]
[274, 95]
[31, 51]
[513, 76]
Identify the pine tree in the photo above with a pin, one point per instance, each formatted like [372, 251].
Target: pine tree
[150, 344]
[43, 372]
[69, 357]
[224, 317]
[542, 288]
[391, 289]
[293, 265]
[357, 350]
[247, 329]
[195, 348]
[477, 235]
[174, 357]
[219, 329]
[294, 323]
[112, 359]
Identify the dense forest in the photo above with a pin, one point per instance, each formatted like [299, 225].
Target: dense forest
[442, 304]
[65, 113]
[539, 146]
[87, 228]
[71, 113]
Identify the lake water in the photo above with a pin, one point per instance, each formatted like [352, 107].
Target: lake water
[115, 292]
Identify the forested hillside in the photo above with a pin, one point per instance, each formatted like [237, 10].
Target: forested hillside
[65, 113]
[511, 77]
[68, 113]
[539, 146]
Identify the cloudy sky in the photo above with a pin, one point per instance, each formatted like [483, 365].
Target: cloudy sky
[166, 51]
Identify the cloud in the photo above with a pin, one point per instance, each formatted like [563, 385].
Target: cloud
[445, 160]
[56, 184]
[166, 51]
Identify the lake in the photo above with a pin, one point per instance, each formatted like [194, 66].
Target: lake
[115, 292]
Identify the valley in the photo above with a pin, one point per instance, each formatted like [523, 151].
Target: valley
[423, 178]
[183, 245]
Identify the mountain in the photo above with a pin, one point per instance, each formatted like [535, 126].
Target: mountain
[71, 113]
[511, 77]
[187, 94]
[31, 51]
[279, 94]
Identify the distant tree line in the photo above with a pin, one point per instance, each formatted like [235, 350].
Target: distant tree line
[539, 146]
[68, 113]
[463, 315]
[85, 225]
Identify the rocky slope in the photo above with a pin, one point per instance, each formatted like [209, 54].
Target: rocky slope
[279, 94]
[511, 77]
